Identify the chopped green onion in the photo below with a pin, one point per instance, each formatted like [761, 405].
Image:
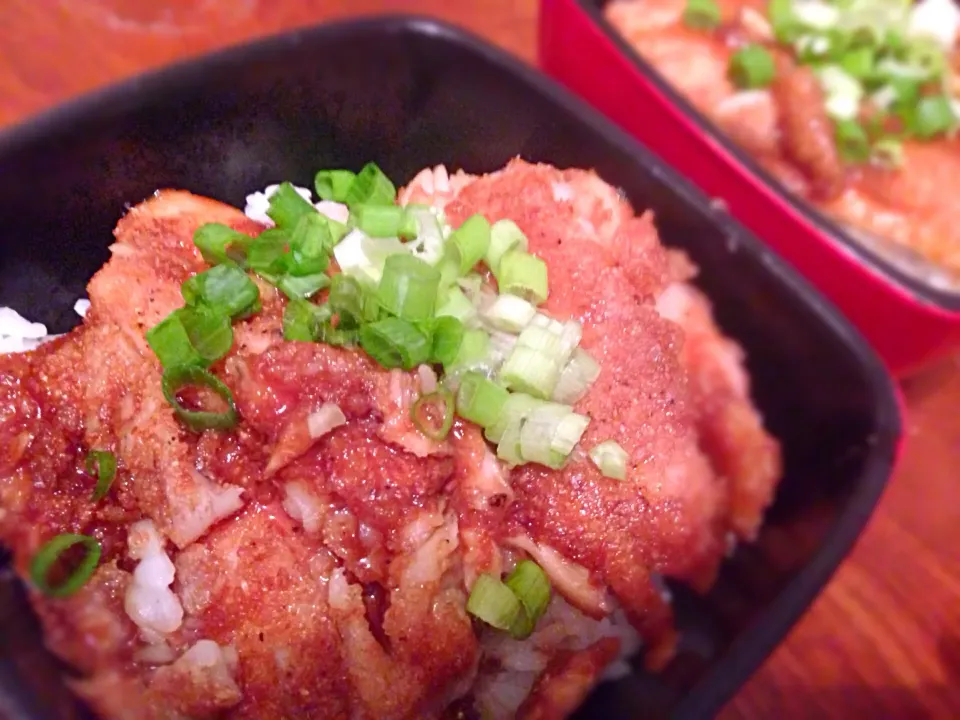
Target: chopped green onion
[816, 14]
[266, 255]
[752, 67]
[786, 26]
[333, 184]
[580, 372]
[337, 336]
[549, 433]
[852, 141]
[371, 187]
[470, 242]
[474, 348]
[408, 287]
[888, 152]
[843, 93]
[509, 313]
[385, 221]
[859, 62]
[611, 459]
[209, 331]
[102, 464]
[933, 116]
[179, 378]
[702, 14]
[348, 300]
[442, 401]
[532, 588]
[505, 235]
[218, 243]
[363, 257]
[524, 275]
[310, 246]
[287, 206]
[493, 602]
[301, 319]
[480, 400]
[514, 410]
[508, 449]
[453, 303]
[530, 371]
[171, 344]
[394, 342]
[303, 286]
[225, 288]
[447, 338]
[48, 555]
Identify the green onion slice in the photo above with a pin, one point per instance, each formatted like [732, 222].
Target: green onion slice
[302, 320]
[470, 242]
[509, 313]
[333, 184]
[224, 288]
[184, 377]
[512, 413]
[210, 332]
[371, 187]
[453, 303]
[310, 245]
[103, 465]
[524, 275]
[702, 14]
[531, 371]
[303, 286]
[548, 434]
[408, 287]
[933, 116]
[611, 459]
[447, 338]
[348, 300]
[48, 555]
[474, 349]
[171, 344]
[852, 141]
[287, 207]
[786, 26]
[432, 414]
[580, 372]
[752, 67]
[266, 255]
[493, 602]
[385, 221]
[480, 400]
[505, 235]
[219, 243]
[532, 588]
[395, 343]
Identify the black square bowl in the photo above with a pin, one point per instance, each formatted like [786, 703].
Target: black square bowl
[410, 92]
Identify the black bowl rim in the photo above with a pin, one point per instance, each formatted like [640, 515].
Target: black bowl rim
[753, 645]
[923, 292]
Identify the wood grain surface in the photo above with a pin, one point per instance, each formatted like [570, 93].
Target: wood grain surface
[883, 641]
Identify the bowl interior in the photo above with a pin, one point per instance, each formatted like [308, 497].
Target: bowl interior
[922, 279]
[410, 93]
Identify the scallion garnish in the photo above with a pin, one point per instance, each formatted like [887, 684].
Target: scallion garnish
[474, 348]
[529, 583]
[333, 184]
[611, 459]
[209, 331]
[408, 287]
[432, 414]
[395, 343]
[101, 464]
[301, 320]
[480, 400]
[702, 14]
[266, 255]
[188, 377]
[303, 286]
[310, 246]
[224, 288]
[852, 141]
[752, 67]
[524, 275]
[470, 242]
[505, 235]
[287, 207]
[493, 602]
[384, 221]
[348, 301]
[932, 116]
[171, 344]
[219, 243]
[48, 556]
[447, 338]
[371, 187]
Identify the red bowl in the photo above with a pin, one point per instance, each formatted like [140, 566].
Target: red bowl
[908, 321]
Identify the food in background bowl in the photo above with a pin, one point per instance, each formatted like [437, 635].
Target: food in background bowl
[850, 105]
[371, 459]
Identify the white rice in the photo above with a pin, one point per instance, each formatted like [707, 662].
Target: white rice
[17, 334]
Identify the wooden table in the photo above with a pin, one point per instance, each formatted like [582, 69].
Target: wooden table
[882, 642]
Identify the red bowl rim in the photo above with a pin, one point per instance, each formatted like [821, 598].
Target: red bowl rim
[741, 162]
